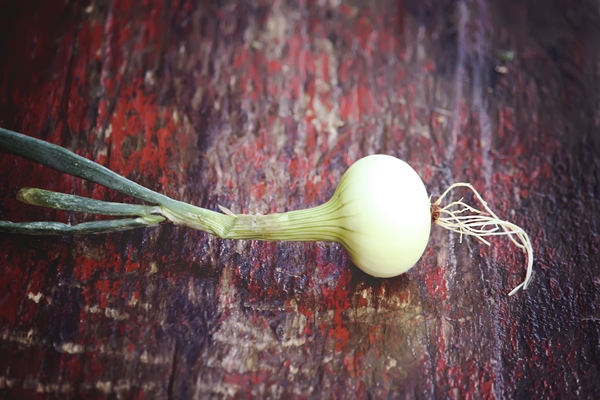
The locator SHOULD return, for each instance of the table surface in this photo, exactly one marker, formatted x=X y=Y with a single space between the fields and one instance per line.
x=261 y=107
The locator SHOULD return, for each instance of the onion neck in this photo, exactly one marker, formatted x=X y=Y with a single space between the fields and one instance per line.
x=320 y=224
x=317 y=224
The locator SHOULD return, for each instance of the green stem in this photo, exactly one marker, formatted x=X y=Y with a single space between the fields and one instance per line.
x=85 y=228
x=323 y=223
x=66 y=161
x=200 y=219
x=63 y=160
x=318 y=224
x=69 y=202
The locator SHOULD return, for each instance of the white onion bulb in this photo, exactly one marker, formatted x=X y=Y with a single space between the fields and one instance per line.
x=385 y=215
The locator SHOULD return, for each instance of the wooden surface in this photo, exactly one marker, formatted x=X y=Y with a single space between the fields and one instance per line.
x=261 y=107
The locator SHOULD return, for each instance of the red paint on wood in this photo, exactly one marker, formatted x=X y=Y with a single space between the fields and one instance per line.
x=190 y=100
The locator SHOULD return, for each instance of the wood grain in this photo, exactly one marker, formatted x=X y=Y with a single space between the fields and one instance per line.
x=260 y=107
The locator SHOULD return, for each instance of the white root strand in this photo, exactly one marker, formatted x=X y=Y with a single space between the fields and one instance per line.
x=480 y=224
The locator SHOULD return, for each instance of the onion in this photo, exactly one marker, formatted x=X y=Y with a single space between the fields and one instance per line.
x=380 y=212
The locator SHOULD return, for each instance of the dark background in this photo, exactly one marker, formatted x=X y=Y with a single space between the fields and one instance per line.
x=260 y=106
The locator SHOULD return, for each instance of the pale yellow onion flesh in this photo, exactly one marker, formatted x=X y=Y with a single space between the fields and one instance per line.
x=386 y=212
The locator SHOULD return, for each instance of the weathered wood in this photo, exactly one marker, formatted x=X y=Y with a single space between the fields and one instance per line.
x=261 y=107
